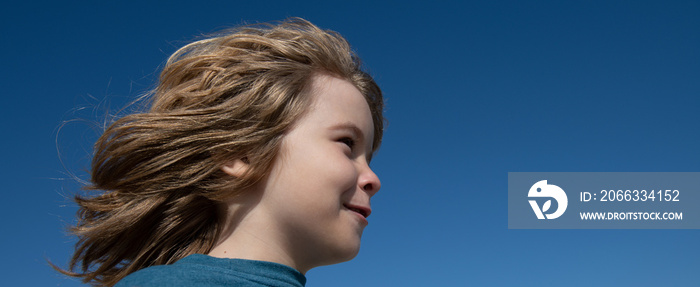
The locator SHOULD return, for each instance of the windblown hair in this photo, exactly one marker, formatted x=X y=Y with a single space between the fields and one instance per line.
x=156 y=188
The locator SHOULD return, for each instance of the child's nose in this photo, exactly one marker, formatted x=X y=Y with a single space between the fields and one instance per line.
x=369 y=181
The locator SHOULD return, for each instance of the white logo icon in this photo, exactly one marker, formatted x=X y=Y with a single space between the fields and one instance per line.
x=542 y=189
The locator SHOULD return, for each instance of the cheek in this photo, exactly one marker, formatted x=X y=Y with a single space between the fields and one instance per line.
x=326 y=167
x=342 y=173
x=308 y=176
x=329 y=183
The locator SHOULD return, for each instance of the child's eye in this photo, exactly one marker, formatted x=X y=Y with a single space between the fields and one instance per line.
x=348 y=141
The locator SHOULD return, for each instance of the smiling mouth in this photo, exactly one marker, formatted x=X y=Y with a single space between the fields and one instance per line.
x=362 y=211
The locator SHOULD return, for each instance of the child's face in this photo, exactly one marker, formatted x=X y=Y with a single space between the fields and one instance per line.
x=318 y=192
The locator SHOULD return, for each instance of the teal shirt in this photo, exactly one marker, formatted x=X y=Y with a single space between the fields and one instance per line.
x=204 y=270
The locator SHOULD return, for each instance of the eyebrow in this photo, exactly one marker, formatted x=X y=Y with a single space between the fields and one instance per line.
x=357 y=133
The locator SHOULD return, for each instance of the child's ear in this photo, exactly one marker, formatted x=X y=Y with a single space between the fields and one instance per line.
x=236 y=167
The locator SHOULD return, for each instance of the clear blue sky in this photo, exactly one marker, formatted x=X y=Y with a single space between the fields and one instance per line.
x=474 y=90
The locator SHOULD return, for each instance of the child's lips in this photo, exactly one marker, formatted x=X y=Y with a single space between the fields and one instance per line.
x=365 y=211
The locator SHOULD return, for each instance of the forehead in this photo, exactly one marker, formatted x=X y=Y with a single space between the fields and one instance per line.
x=338 y=102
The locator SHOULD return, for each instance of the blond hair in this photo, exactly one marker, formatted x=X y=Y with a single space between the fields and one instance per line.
x=157 y=175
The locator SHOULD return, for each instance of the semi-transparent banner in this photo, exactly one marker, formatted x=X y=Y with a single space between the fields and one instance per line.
x=604 y=200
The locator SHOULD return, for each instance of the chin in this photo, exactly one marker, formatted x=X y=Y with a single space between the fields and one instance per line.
x=342 y=254
x=348 y=252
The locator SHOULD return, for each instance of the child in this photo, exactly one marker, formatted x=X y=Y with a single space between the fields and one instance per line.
x=250 y=167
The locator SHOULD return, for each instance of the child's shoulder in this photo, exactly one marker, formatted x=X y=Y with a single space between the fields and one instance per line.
x=203 y=270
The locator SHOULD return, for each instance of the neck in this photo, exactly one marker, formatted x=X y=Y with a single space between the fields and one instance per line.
x=249 y=234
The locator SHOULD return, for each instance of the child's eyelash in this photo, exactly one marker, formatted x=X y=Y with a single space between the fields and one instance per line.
x=348 y=141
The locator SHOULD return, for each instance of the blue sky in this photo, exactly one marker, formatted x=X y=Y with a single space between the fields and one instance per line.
x=473 y=90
